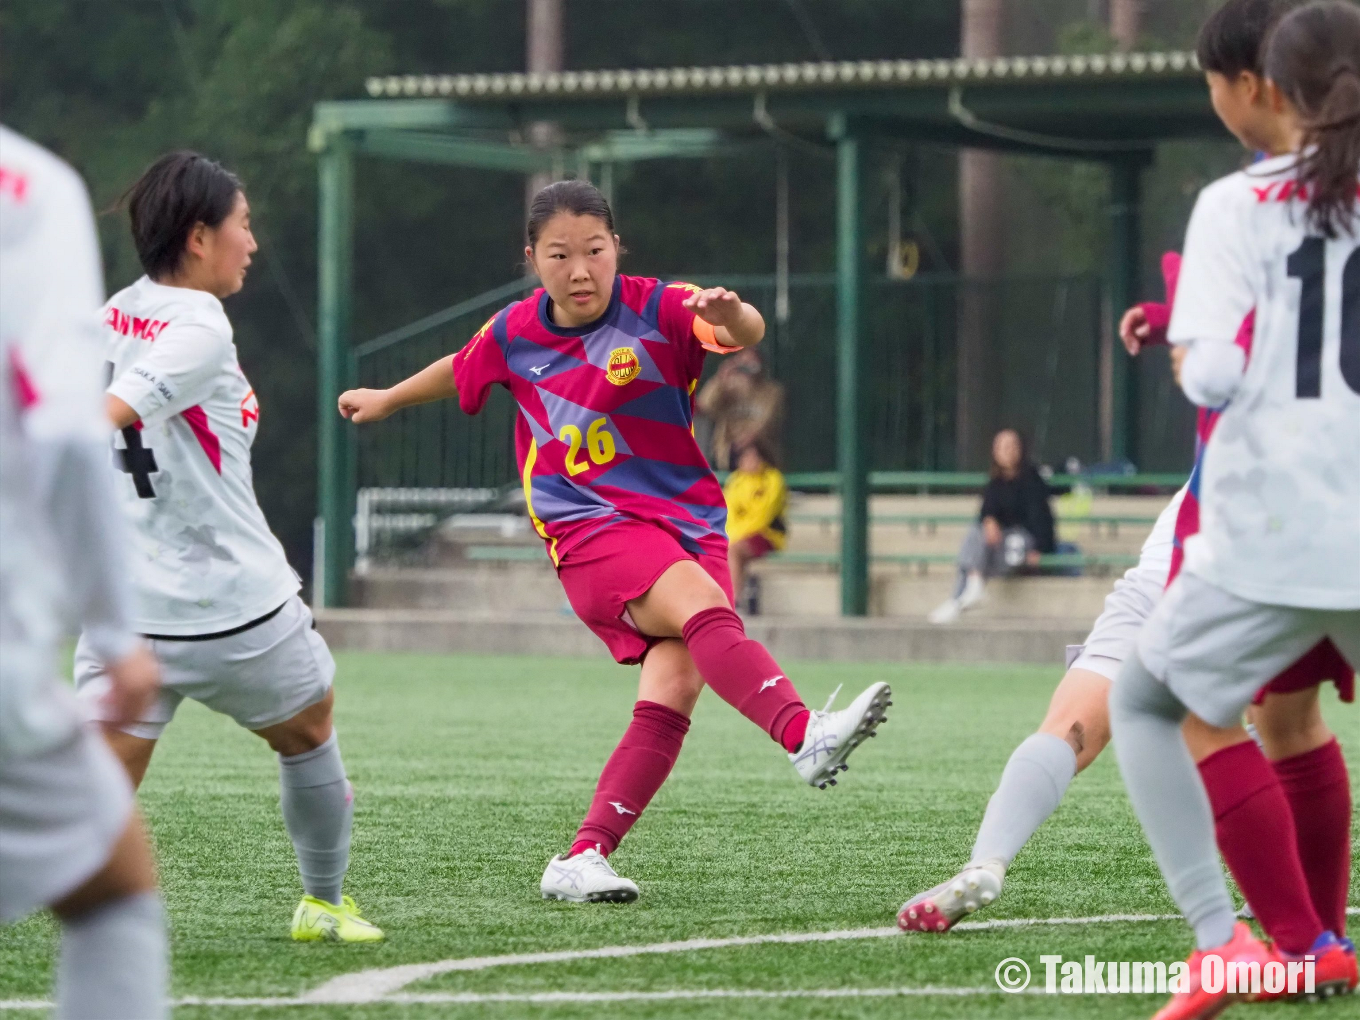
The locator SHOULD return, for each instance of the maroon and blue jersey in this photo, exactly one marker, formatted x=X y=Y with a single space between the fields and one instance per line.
x=605 y=429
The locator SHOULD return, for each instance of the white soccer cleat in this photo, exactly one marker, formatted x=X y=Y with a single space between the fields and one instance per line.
x=585 y=878
x=946 y=612
x=939 y=909
x=974 y=591
x=831 y=736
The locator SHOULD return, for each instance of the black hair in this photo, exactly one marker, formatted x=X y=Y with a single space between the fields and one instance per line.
x=178 y=191
x=1234 y=38
x=1314 y=60
x=580 y=198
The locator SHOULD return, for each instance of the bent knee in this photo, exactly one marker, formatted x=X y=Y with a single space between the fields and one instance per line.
x=304 y=732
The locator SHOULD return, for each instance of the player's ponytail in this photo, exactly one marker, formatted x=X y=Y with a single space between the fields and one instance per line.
x=1314 y=60
x=579 y=198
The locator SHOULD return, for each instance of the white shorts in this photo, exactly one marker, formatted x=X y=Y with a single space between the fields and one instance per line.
x=1129 y=605
x=61 y=812
x=1216 y=650
x=259 y=677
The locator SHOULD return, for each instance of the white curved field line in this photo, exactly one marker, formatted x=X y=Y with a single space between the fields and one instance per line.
x=385 y=984
x=370 y=985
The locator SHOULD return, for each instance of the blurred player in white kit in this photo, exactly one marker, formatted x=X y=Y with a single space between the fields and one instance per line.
x=1276 y=565
x=70 y=836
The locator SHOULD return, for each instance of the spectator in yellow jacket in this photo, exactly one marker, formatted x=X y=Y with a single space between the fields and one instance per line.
x=756 y=497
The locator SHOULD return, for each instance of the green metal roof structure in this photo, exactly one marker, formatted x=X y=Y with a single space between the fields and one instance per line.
x=1113 y=109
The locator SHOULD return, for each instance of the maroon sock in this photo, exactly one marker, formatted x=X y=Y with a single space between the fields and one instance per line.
x=1255 y=830
x=1319 y=793
x=742 y=672
x=631 y=777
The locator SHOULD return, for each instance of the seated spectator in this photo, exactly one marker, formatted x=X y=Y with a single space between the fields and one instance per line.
x=1015 y=527
x=756 y=497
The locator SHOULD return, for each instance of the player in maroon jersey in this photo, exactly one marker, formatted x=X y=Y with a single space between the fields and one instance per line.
x=603 y=368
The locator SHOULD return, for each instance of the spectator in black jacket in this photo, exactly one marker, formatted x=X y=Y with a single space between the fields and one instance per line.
x=1015 y=526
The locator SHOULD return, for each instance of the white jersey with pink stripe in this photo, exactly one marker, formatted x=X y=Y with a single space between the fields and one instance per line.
x=204 y=560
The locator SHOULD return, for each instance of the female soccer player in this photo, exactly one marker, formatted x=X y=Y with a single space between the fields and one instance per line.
x=214 y=592
x=1306 y=770
x=1274 y=569
x=70 y=834
x=603 y=367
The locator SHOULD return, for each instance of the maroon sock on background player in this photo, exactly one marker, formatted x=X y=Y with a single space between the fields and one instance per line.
x=1255 y=831
x=745 y=675
x=1319 y=793
x=631 y=777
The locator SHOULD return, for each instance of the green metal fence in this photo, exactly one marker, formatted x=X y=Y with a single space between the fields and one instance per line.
x=1044 y=345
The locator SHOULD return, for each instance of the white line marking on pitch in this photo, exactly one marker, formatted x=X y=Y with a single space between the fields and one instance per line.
x=383 y=985
x=479 y=998
x=370 y=985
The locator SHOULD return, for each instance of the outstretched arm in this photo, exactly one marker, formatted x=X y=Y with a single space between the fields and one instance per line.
x=434 y=382
x=734 y=322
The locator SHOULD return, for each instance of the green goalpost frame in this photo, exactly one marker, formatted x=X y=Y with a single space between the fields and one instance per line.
x=1106 y=109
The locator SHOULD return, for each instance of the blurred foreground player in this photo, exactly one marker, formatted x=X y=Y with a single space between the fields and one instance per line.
x=70 y=837
x=603 y=368
x=1305 y=782
x=1276 y=566
x=214 y=592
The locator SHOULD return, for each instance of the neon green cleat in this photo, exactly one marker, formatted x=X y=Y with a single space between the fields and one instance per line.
x=315 y=920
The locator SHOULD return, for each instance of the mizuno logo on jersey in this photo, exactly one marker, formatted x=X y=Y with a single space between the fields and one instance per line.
x=141 y=329
x=620 y=808
x=540 y=369
x=769 y=683
x=250 y=409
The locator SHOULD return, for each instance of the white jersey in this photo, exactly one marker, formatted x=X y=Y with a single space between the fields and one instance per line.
x=205 y=560
x=59 y=542
x=1280 y=491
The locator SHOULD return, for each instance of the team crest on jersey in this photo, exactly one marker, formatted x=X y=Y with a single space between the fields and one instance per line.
x=623 y=366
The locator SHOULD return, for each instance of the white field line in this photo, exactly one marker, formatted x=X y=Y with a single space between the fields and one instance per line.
x=385 y=984
x=549 y=998
x=370 y=985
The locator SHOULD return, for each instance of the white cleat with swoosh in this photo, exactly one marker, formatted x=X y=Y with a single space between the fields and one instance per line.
x=831 y=736
x=585 y=878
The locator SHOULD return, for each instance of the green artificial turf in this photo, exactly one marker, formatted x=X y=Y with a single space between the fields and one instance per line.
x=470 y=772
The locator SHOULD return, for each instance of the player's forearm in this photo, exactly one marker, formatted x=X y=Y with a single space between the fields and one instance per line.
x=1212 y=371
x=73 y=485
x=747 y=331
x=434 y=382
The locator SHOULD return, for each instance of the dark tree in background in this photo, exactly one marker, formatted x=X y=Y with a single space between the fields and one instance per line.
x=111 y=84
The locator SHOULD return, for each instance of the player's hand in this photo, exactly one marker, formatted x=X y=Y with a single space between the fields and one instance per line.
x=1134 y=329
x=717 y=306
x=133 y=682
x=361 y=406
x=1177 y=360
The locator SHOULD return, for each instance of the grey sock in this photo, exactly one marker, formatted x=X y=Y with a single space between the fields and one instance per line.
x=1169 y=799
x=1031 y=787
x=113 y=963
x=318 y=810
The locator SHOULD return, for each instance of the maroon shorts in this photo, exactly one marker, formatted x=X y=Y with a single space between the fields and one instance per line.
x=1322 y=663
x=615 y=566
x=756 y=546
